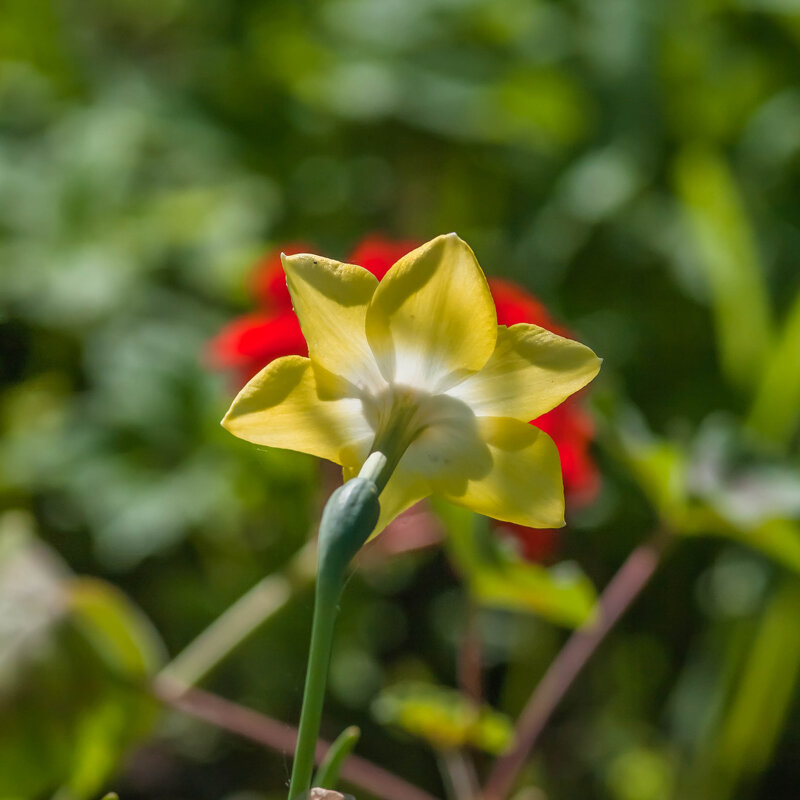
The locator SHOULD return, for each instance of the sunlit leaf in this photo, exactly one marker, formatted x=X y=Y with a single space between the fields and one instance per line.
x=641 y=773
x=660 y=468
x=443 y=717
x=743 y=712
x=497 y=577
x=708 y=493
x=777 y=538
x=728 y=255
x=766 y=686
x=776 y=410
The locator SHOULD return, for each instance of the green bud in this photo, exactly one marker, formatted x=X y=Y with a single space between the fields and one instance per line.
x=349 y=518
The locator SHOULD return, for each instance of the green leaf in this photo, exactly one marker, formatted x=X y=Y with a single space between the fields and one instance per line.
x=777 y=538
x=443 y=717
x=728 y=256
x=74 y=658
x=328 y=773
x=499 y=578
x=776 y=410
x=742 y=718
x=120 y=634
x=561 y=594
x=754 y=504
x=766 y=686
x=641 y=773
x=659 y=466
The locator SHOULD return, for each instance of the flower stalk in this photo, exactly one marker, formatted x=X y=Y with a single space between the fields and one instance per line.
x=347 y=521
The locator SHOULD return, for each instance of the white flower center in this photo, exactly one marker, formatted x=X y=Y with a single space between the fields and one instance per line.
x=437 y=434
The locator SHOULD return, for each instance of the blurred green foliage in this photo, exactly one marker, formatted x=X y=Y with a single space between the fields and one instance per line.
x=444 y=717
x=499 y=578
x=636 y=165
x=74 y=657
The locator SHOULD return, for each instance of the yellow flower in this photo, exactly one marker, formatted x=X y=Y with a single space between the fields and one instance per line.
x=417 y=368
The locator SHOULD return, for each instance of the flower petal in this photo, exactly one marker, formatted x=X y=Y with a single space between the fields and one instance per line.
x=524 y=484
x=432 y=322
x=331 y=299
x=282 y=407
x=447 y=454
x=531 y=371
x=449 y=451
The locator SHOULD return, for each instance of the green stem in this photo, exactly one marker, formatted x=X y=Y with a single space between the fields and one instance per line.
x=266 y=731
x=348 y=519
x=325 y=607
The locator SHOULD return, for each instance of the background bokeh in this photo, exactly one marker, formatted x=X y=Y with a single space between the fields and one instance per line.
x=635 y=165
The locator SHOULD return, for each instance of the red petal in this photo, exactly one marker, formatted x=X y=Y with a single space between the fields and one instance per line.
x=249 y=343
x=536 y=544
x=514 y=304
x=571 y=429
x=378 y=254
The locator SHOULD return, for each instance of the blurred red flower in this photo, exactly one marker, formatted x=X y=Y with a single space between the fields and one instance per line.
x=253 y=340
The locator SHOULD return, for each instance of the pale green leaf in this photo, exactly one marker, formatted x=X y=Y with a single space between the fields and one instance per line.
x=728 y=255
x=328 y=773
x=497 y=577
x=707 y=493
x=776 y=410
x=443 y=717
x=779 y=539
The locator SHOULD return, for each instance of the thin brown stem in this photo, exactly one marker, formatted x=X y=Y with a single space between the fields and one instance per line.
x=470 y=658
x=459 y=774
x=622 y=590
x=282 y=737
x=241 y=620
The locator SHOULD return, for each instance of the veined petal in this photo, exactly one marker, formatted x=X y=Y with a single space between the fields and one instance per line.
x=524 y=484
x=331 y=299
x=530 y=372
x=446 y=455
x=400 y=493
x=449 y=449
x=431 y=321
x=281 y=407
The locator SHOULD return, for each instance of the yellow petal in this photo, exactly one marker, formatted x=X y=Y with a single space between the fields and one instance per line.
x=449 y=450
x=432 y=321
x=400 y=493
x=530 y=372
x=281 y=407
x=447 y=453
x=331 y=299
x=524 y=484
